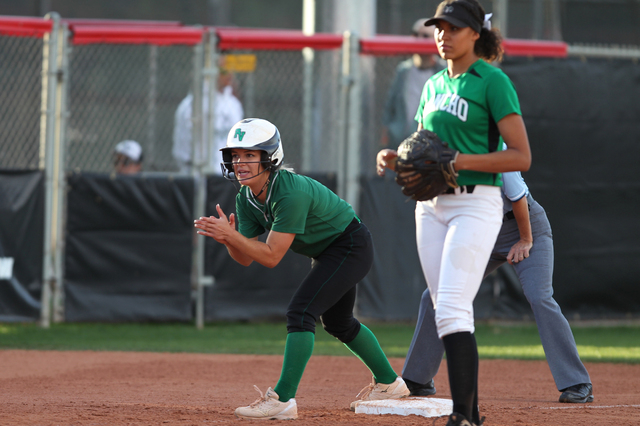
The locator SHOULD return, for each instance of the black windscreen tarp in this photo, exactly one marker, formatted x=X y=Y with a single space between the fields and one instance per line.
x=21 y=244
x=128 y=248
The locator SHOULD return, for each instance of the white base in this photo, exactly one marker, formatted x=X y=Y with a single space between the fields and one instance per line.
x=426 y=407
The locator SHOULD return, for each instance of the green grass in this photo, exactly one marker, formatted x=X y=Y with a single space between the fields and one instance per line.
x=606 y=344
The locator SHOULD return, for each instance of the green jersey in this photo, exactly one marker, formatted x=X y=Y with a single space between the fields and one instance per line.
x=464 y=112
x=295 y=204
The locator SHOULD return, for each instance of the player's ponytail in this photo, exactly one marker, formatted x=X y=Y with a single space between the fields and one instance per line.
x=489 y=44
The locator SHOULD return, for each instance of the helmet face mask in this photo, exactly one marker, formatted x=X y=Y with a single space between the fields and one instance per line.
x=245 y=164
x=253 y=134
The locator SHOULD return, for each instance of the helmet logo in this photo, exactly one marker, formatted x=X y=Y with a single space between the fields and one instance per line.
x=239 y=134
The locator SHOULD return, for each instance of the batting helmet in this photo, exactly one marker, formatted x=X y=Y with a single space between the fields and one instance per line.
x=254 y=134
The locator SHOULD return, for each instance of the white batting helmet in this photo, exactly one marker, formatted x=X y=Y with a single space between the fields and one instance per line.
x=254 y=134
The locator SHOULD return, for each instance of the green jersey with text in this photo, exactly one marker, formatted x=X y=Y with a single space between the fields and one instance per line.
x=295 y=204
x=464 y=112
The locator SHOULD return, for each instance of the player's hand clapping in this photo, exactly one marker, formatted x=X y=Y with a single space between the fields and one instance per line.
x=218 y=228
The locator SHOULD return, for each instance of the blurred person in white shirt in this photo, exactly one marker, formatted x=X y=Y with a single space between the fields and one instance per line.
x=228 y=111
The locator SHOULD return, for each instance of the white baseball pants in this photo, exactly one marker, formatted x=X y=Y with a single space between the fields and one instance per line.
x=455 y=234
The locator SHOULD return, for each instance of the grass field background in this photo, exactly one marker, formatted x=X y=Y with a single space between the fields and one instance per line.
x=603 y=344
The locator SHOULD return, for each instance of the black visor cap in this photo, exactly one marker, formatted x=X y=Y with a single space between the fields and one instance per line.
x=455 y=14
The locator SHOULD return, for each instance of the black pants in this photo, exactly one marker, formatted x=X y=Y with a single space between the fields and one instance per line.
x=328 y=292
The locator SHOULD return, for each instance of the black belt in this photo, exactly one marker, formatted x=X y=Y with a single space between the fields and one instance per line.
x=468 y=189
x=509 y=215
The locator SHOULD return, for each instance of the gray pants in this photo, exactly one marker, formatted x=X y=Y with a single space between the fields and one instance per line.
x=535 y=274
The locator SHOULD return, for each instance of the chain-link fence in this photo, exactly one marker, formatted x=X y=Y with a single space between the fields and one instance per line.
x=382 y=60
x=125 y=92
x=125 y=83
x=375 y=136
x=20 y=101
x=130 y=88
x=273 y=92
x=295 y=91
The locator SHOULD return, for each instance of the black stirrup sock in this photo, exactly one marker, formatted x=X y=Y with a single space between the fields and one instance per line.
x=462 y=365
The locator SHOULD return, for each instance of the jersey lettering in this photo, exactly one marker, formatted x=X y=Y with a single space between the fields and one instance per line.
x=451 y=103
x=443 y=102
x=239 y=134
x=463 y=110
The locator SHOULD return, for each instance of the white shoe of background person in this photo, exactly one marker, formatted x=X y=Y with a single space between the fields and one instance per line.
x=268 y=407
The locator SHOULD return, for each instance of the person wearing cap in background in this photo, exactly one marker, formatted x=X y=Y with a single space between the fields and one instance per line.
x=404 y=93
x=127 y=158
x=228 y=111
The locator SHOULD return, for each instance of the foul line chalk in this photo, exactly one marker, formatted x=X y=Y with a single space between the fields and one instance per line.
x=587 y=407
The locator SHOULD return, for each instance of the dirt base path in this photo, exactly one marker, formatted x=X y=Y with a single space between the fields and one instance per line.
x=122 y=388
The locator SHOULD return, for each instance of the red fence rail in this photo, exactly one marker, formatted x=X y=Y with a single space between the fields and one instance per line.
x=87 y=31
x=162 y=36
x=24 y=26
x=264 y=39
x=552 y=49
x=391 y=44
x=120 y=22
x=396 y=45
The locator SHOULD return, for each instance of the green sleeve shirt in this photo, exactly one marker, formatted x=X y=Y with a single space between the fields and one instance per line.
x=295 y=204
x=464 y=112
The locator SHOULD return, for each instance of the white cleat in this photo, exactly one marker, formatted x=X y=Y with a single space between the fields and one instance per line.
x=377 y=391
x=268 y=407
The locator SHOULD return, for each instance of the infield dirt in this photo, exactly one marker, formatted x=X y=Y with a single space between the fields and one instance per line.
x=127 y=388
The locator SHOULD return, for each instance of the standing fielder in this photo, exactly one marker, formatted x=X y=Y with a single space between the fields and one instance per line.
x=472 y=106
x=525 y=222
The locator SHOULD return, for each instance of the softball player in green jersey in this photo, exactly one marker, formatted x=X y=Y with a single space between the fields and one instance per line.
x=302 y=215
x=473 y=106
